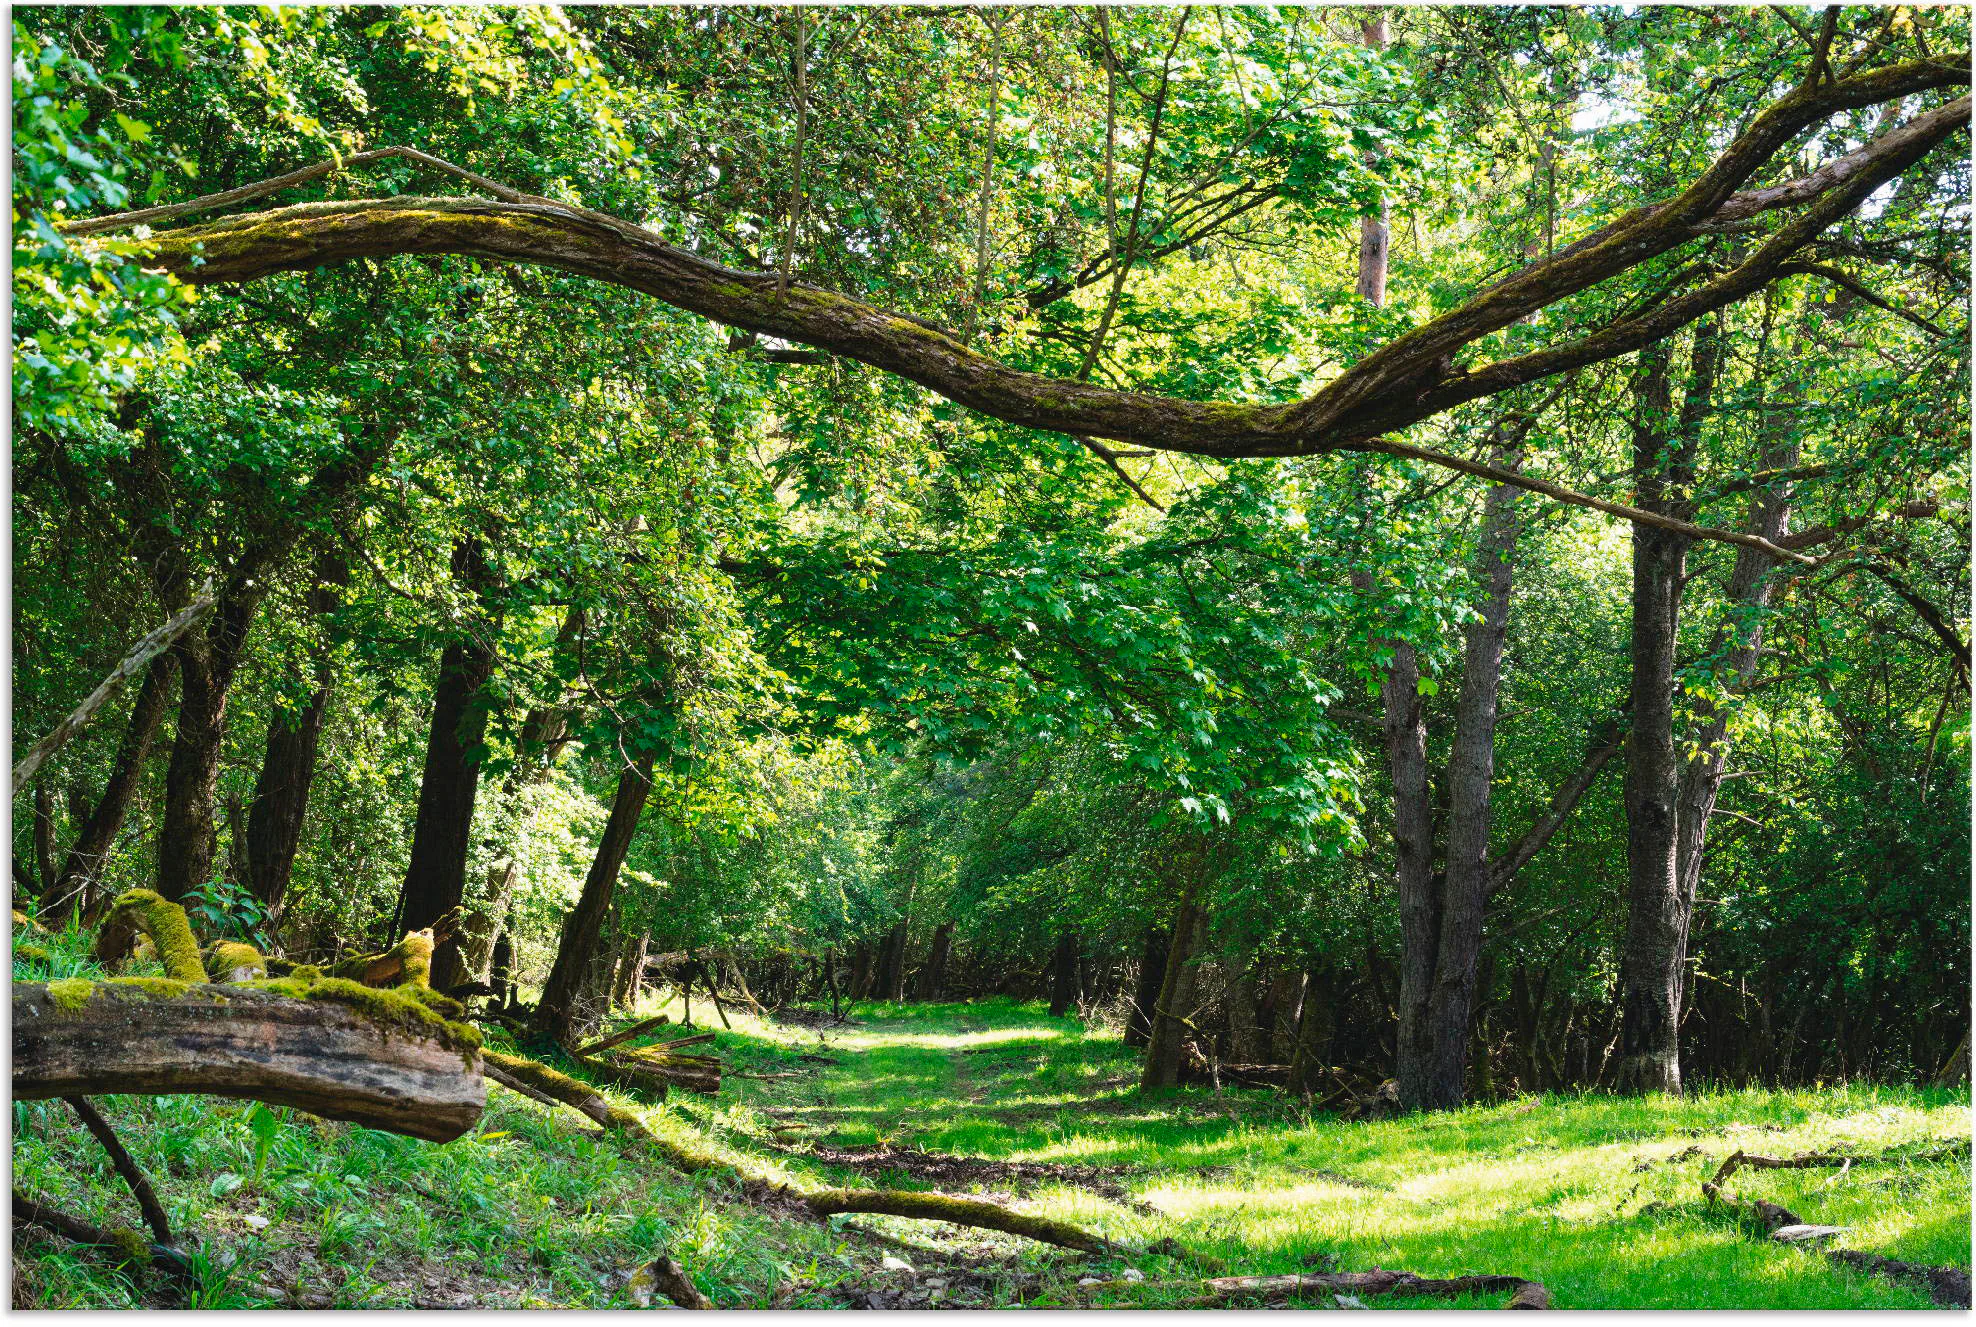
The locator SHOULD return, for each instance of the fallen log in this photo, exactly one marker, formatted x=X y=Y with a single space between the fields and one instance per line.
x=333 y=1048
x=1947 y=1286
x=619 y=1038
x=975 y=1212
x=518 y=1073
x=409 y=962
x=130 y=1243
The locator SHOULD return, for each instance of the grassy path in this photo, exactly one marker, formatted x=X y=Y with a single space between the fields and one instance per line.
x=1597 y=1197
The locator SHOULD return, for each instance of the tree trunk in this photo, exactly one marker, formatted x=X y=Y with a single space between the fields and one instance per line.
x=44 y=838
x=1419 y=888
x=79 y=885
x=1152 y=976
x=281 y=793
x=933 y=977
x=545 y=731
x=1656 y=923
x=501 y=971
x=1063 y=975
x=1310 y=1060
x=892 y=964
x=435 y=875
x=207 y=662
x=1437 y=1083
x=553 y=1013
x=1167 y=1038
x=631 y=978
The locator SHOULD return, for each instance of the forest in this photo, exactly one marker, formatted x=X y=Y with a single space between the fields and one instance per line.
x=942 y=656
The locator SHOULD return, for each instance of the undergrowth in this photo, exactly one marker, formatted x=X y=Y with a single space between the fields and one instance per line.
x=1597 y=1197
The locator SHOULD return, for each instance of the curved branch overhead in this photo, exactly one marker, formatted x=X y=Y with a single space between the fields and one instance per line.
x=1412 y=378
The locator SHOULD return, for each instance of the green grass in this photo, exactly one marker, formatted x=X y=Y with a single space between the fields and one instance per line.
x=531 y=1211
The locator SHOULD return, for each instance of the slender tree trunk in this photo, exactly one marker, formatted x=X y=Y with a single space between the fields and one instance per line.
x=1651 y=966
x=44 y=839
x=1316 y=1020
x=1146 y=993
x=1437 y=1084
x=79 y=884
x=281 y=793
x=1419 y=888
x=501 y=972
x=1375 y=231
x=1167 y=1038
x=555 y=1011
x=545 y=731
x=1063 y=975
x=435 y=875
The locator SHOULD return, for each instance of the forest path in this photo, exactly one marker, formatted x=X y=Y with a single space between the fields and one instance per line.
x=1597 y=1197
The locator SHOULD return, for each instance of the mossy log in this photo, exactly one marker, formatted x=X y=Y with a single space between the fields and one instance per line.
x=407 y=963
x=146 y=912
x=510 y=1070
x=974 y=1212
x=339 y=1050
x=230 y=961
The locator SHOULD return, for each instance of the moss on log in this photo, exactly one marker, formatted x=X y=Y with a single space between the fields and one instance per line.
x=151 y=914
x=334 y=1049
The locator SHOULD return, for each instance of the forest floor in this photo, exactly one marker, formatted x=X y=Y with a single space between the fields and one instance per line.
x=1599 y=1198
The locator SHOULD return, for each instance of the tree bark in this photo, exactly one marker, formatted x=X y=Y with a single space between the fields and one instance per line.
x=1436 y=1082
x=933 y=977
x=1166 y=1037
x=1146 y=993
x=892 y=963
x=1651 y=965
x=207 y=663
x=555 y=1010
x=79 y=884
x=339 y=1060
x=545 y=731
x=288 y=767
x=435 y=875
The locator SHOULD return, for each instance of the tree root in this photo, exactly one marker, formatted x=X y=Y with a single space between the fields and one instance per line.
x=149 y=912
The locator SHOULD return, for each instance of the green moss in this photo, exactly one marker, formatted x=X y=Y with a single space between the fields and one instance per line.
x=32 y=954
x=404 y=1007
x=230 y=956
x=71 y=993
x=170 y=932
x=306 y=972
x=162 y=988
x=131 y=1244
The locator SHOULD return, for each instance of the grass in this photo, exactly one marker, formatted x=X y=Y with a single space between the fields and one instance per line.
x=1597 y=1197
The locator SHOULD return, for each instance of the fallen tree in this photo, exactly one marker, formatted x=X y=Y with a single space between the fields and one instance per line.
x=1230 y=1291
x=329 y=1047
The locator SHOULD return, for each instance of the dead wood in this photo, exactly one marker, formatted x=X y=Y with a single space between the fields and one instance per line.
x=133 y=1175
x=618 y=1038
x=128 y=1242
x=339 y=1051
x=133 y=663
x=1223 y=1291
x=665 y=1277
x=514 y=1071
